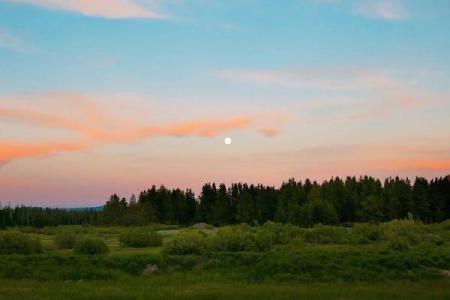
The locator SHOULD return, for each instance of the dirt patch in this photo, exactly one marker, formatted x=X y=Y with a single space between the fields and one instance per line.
x=149 y=269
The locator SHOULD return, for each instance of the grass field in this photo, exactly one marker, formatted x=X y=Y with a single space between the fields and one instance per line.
x=184 y=286
x=395 y=260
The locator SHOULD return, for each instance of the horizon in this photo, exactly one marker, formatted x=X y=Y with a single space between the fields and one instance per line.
x=197 y=194
x=102 y=98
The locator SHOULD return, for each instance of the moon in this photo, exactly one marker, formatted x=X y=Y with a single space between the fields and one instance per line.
x=227 y=141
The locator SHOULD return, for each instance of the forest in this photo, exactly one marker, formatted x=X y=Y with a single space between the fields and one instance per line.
x=339 y=239
x=305 y=203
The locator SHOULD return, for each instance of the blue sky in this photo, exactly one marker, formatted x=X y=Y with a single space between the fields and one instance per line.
x=306 y=88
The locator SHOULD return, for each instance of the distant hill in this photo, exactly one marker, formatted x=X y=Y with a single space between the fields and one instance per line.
x=92 y=208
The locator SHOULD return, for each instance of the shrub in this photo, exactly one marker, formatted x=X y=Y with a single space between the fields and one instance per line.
x=245 y=238
x=90 y=246
x=399 y=243
x=402 y=231
x=434 y=239
x=12 y=242
x=140 y=239
x=281 y=234
x=186 y=243
x=365 y=233
x=445 y=225
x=65 y=241
x=321 y=234
x=233 y=238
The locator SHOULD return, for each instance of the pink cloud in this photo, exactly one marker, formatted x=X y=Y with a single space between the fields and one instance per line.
x=270 y=132
x=389 y=10
x=111 y=9
x=382 y=92
x=93 y=125
x=386 y=9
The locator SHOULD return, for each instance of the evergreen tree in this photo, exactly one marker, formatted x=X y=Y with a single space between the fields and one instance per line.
x=245 y=208
x=222 y=210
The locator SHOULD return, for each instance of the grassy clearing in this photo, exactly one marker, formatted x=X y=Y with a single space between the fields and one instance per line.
x=183 y=286
x=394 y=260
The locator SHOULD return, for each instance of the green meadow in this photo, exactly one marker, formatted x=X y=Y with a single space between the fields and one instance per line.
x=400 y=259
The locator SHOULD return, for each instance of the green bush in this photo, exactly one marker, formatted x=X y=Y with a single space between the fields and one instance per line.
x=445 y=225
x=406 y=230
x=281 y=233
x=13 y=242
x=243 y=238
x=434 y=239
x=65 y=241
x=140 y=239
x=91 y=246
x=233 y=238
x=399 y=243
x=322 y=234
x=364 y=233
x=186 y=243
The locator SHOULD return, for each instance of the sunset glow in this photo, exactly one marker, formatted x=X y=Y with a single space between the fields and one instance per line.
x=101 y=97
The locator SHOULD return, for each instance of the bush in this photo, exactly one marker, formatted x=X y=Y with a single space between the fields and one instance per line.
x=233 y=238
x=90 y=246
x=434 y=239
x=65 y=241
x=403 y=231
x=12 y=242
x=241 y=238
x=445 y=225
x=279 y=233
x=399 y=243
x=140 y=239
x=365 y=233
x=185 y=244
x=321 y=234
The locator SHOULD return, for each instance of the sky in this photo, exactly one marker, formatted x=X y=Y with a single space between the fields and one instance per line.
x=112 y=96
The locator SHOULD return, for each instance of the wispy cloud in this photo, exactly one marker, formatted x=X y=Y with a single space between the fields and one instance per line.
x=386 y=9
x=111 y=9
x=331 y=78
x=366 y=158
x=92 y=125
x=270 y=132
x=381 y=92
x=10 y=150
x=389 y=10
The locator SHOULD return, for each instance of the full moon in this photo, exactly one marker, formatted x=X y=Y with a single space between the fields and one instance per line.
x=227 y=141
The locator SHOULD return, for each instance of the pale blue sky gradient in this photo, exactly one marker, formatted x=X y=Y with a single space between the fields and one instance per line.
x=306 y=88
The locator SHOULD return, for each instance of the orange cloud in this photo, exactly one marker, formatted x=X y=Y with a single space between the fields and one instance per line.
x=366 y=158
x=112 y=9
x=38 y=118
x=429 y=164
x=10 y=150
x=270 y=132
x=207 y=128
x=93 y=126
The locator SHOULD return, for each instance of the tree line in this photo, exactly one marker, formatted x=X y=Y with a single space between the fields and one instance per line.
x=304 y=203
x=40 y=217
